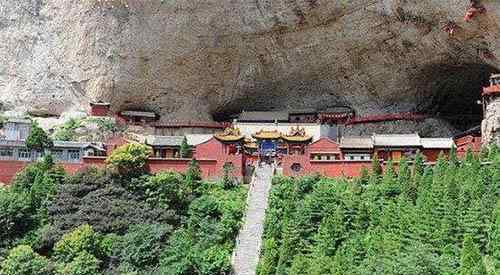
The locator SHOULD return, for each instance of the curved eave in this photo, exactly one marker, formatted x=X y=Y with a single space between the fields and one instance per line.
x=229 y=138
x=267 y=136
x=297 y=139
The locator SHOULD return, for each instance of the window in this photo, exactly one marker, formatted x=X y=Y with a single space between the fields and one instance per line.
x=351 y=157
x=24 y=154
x=362 y=157
x=58 y=154
x=328 y=157
x=296 y=167
x=74 y=155
x=6 y=153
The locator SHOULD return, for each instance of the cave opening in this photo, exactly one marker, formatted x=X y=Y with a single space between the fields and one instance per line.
x=453 y=92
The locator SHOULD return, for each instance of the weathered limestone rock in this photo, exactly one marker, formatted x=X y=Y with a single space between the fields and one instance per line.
x=490 y=126
x=195 y=59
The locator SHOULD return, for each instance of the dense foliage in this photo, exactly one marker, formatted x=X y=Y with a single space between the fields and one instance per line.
x=100 y=221
x=419 y=220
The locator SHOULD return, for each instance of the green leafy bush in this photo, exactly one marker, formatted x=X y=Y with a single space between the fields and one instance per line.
x=83 y=264
x=67 y=132
x=74 y=243
x=130 y=159
x=22 y=260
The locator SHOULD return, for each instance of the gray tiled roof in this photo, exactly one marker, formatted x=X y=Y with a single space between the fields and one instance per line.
x=138 y=114
x=12 y=143
x=437 y=143
x=356 y=142
x=263 y=116
x=74 y=144
x=164 y=140
x=397 y=140
x=195 y=139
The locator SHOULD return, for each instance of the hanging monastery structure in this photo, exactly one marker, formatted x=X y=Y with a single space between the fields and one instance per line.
x=299 y=142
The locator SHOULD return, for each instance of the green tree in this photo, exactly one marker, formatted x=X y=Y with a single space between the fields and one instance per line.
x=22 y=260
x=471 y=261
x=74 y=243
x=67 y=131
x=193 y=173
x=38 y=139
x=83 y=264
x=142 y=245
x=185 y=150
x=130 y=159
x=228 y=179
x=376 y=167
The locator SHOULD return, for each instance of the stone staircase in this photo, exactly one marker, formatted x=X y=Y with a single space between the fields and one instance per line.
x=249 y=241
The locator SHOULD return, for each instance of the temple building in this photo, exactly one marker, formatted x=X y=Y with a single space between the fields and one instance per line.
x=232 y=139
x=356 y=148
x=490 y=126
x=166 y=147
x=296 y=141
x=138 y=117
x=394 y=147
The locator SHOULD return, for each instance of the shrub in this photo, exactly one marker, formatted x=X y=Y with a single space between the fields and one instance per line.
x=130 y=159
x=83 y=264
x=142 y=244
x=82 y=239
x=16 y=215
x=22 y=260
x=67 y=131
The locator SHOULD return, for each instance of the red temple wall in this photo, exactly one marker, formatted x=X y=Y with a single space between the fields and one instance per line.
x=208 y=167
x=9 y=169
x=99 y=110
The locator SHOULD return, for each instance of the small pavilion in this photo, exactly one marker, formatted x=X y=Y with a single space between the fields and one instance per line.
x=296 y=141
x=232 y=139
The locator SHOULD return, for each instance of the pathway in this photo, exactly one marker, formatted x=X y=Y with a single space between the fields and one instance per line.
x=249 y=241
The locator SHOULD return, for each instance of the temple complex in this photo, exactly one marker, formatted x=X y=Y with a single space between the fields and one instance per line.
x=298 y=142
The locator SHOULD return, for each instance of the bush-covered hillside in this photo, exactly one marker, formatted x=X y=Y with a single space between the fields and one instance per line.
x=105 y=221
x=420 y=220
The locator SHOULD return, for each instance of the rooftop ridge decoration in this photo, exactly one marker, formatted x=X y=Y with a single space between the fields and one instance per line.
x=267 y=134
x=230 y=134
x=297 y=134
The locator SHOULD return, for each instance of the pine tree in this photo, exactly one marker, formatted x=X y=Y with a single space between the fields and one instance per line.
x=418 y=166
x=185 y=150
x=494 y=239
x=376 y=167
x=471 y=261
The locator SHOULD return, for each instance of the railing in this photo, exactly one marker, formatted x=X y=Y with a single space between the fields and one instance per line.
x=192 y=124
x=386 y=117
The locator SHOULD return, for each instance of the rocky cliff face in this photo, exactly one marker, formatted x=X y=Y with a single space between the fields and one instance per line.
x=206 y=59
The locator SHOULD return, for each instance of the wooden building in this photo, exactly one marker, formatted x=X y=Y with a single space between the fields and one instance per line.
x=138 y=117
x=100 y=108
x=356 y=148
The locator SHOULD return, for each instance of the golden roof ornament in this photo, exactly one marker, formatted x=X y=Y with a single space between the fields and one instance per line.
x=267 y=134
x=297 y=134
x=230 y=134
